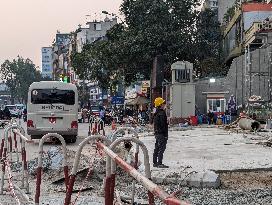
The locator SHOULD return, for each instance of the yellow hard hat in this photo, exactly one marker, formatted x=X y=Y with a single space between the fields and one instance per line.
x=159 y=101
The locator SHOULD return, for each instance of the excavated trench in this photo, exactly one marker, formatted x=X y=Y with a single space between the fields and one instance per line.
x=246 y=179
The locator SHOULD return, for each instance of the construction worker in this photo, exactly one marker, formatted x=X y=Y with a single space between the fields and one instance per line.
x=161 y=132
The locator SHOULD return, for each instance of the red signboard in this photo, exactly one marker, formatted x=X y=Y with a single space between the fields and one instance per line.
x=247 y=7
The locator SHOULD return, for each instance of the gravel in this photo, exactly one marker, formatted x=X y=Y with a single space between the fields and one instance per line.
x=234 y=191
x=222 y=196
x=212 y=196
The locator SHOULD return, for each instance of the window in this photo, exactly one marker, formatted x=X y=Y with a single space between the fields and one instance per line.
x=183 y=76
x=216 y=105
x=97 y=27
x=52 y=96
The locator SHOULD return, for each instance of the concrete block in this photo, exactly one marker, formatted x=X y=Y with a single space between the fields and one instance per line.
x=208 y=179
x=211 y=180
x=195 y=180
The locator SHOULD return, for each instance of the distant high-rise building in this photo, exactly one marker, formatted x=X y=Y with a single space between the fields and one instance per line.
x=47 y=62
x=210 y=4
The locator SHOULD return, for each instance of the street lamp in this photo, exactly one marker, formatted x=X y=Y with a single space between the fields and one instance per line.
x=212 y=80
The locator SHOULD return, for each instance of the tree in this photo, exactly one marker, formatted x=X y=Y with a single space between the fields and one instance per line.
x=18 y=75
x=152 y=27
x=207 y=44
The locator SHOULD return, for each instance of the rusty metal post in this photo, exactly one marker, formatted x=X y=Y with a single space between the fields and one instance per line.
x=9 y=147
x=2 y=148
x=95 y=128
x=76 y=164
x=108 y=182
x=39 y=169
x=16 y=146
x=23 y=140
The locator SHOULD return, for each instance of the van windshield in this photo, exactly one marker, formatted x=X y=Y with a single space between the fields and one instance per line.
x=52 y=96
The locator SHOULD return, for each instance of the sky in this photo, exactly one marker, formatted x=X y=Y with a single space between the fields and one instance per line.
x=28 y=25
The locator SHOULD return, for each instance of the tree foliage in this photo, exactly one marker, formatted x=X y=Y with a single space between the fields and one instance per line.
x=207 y=44
x=151 y=28
x=18 y=75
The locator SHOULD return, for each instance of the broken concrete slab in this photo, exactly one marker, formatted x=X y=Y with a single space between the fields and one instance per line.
x=207 y=179
x=211 y=179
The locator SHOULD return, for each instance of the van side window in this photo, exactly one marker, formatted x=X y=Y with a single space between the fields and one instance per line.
x=52 y=96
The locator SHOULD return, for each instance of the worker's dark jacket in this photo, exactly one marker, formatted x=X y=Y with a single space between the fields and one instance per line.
x=160 y=123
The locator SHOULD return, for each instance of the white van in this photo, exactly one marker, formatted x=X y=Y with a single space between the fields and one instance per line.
x=52 y=107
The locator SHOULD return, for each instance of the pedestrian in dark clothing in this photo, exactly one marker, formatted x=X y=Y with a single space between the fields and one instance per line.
x=1 y=114
x=210 y=117
x=7 y=114
x=161 y=133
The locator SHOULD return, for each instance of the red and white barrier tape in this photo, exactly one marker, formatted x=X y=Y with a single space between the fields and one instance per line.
x=11 y=187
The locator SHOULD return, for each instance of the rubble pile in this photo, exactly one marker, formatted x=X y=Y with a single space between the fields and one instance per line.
x=255 y=98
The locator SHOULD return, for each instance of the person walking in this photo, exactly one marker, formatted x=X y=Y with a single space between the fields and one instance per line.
x=161 y=133
x=7 y=114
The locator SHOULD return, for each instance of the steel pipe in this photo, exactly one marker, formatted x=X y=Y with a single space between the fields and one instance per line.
x=147 y=183
x=249 y=124
x=39 y=169
x=112 y=175
x=76 y=164
x=146 y=161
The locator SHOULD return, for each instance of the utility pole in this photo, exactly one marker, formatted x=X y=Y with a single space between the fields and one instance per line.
x=250 y=71
x=269 y=75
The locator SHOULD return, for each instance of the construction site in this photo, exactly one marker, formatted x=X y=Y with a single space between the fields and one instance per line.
x=209 y=164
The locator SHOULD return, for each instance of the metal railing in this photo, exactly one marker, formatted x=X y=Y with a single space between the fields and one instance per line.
x=6 y=152
x=136 y=161
x=40 y=157
x=153 y=189
x=112 y=160
x=76 y=164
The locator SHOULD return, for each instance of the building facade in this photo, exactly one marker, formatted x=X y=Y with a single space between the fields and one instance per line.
x=61 y=55
x=244 y=79
x=98 y=29
x=236 y=32
x=223 y=6
x=211 y=4
x=47 y=62
x=81 y=39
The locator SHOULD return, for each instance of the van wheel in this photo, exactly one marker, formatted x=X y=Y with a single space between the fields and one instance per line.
x=71 y=139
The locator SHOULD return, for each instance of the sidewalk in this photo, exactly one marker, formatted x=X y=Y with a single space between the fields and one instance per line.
x=203 y=149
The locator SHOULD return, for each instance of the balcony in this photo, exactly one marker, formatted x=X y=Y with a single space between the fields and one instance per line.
x=250 y=34
x=233 y=20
